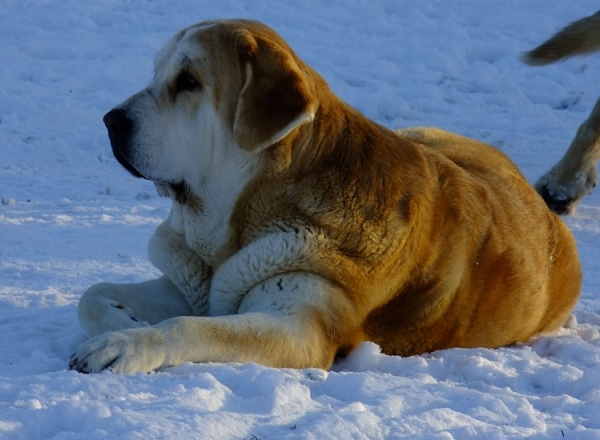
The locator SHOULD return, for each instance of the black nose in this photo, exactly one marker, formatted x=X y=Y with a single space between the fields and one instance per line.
x=119 y=125
x=120 y=128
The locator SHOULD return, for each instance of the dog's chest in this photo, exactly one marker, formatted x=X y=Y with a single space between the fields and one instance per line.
x=206 y=220
x=207 y=234
x=206 y=230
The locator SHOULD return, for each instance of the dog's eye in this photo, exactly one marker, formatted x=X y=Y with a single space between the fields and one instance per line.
x=186 y=82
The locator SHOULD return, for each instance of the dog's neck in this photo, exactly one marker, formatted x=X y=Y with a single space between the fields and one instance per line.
x=340 y=137
x=202 y=213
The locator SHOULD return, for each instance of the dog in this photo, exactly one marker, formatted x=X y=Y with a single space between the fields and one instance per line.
x=299 y=228
x=575 y=175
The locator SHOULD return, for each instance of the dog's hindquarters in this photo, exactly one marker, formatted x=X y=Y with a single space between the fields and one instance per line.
x=512 y=285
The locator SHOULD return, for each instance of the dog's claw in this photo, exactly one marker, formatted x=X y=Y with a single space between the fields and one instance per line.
x=110 y=364
x=83 y=368
x=73 y=363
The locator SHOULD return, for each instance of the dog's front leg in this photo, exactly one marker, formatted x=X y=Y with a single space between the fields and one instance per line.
x=183 y=290
x=292 y=320
x=107 y=307
x=169 y=252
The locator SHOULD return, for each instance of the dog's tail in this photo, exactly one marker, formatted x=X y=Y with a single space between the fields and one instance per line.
x=579 y=38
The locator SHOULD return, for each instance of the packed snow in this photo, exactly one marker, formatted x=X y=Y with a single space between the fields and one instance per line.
x=71 y=216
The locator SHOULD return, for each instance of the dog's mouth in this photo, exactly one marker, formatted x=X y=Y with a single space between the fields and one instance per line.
x=125 y=163
x=121 y=127
x=180 y=192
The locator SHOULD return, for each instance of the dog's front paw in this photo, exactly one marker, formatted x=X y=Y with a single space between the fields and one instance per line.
x=123 y=351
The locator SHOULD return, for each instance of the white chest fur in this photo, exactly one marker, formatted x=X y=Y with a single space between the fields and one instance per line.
x=206 y=222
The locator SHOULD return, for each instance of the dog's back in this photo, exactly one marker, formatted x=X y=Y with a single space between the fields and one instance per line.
x=579 y=38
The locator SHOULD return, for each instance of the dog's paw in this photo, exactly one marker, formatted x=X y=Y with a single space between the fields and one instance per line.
x=124 y=351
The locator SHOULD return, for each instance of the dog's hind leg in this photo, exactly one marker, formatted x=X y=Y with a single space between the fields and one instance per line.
x=575 y=175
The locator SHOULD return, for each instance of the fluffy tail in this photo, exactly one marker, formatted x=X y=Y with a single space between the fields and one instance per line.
x=579 y=38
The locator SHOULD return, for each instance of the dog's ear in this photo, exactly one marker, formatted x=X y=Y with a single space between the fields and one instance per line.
x=276 y=96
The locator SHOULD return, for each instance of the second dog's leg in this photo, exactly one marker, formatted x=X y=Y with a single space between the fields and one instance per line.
x=575 y=175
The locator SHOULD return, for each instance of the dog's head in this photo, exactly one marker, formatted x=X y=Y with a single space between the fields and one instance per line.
x=218 y=86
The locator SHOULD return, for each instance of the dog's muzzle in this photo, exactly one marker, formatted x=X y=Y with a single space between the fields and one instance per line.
x=120 y=128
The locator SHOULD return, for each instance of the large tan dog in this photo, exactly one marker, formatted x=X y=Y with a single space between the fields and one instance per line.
x=575 y=175
x=299 y=228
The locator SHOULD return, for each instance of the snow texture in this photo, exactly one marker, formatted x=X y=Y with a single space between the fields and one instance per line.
x=71 y=216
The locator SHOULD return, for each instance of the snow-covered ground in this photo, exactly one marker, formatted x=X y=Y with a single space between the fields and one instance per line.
x=71 y=217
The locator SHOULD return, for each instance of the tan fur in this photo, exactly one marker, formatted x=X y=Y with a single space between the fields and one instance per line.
x=575 y=175
x=417 y=240
x=579 y=38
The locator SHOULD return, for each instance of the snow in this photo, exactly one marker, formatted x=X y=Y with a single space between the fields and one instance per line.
x=71 y=216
